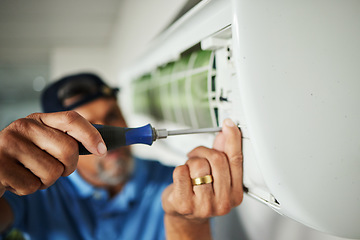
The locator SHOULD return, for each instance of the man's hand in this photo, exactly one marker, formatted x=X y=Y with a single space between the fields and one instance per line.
x=35 y=151
x=187 y=207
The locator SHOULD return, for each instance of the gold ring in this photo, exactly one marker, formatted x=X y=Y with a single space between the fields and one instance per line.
x=202 y=180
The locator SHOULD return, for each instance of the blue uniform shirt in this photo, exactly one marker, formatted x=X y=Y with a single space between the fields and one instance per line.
x=74 y=209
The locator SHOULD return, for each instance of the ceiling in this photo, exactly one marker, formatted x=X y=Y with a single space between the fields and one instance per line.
x=30 y=29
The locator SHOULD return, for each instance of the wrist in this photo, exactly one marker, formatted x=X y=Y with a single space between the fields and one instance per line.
x=183 y=219
x=177 y=225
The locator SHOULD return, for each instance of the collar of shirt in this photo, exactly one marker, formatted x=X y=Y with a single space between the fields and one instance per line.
x=130 y=193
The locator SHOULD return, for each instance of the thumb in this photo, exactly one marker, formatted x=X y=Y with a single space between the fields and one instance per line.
x=232 y=140
x=221 y=139
x=233 y=150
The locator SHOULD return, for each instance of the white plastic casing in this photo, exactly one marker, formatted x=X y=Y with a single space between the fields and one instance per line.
x=298 y=73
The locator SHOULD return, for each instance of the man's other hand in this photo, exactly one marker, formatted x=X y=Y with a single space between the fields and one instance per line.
x=35 y=151
x=192 y=206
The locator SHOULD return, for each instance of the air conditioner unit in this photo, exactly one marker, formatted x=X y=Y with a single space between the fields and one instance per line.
x=287 y=72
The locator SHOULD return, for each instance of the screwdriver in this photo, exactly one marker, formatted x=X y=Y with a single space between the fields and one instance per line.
x=115 y=137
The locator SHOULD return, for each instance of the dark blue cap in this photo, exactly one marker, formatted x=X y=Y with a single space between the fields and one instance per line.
x=79 y=89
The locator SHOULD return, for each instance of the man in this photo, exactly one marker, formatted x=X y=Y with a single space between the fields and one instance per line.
x=110 y=195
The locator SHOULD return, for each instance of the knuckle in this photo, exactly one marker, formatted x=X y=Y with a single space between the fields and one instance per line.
x=199 y=163
x=223 y=208
x=34 y=116
x=68 y=157
x=34 y=186
x=7 y=138
x=198 y=167
x=219 y=157
x=70 y=116
x=205 y=211
x=68 y=151
x=237 y=200
x=53 y=172
x=196 y=151
x=24 y=126
x=185 y=208
x=69 y=169
x=200 y=148
x=180 y=171
x=31 y=187
x=69 y=161
x=21 y=125
x=237 y=160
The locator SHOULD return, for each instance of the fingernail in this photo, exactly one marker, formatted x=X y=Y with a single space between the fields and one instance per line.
x=101 y=148
x=229 y=122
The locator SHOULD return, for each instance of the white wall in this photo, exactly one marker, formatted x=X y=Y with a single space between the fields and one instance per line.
x=137 y=24
x=68 y=60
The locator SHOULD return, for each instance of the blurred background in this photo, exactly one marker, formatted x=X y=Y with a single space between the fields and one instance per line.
x=42 y=40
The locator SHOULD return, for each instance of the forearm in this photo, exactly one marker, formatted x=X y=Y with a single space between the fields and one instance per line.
x=6 y=216
x=177 y=227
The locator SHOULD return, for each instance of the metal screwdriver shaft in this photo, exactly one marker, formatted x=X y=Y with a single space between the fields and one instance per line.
x=193 y=131
x=163 y=133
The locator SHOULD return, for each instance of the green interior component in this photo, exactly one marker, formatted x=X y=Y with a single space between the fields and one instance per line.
x=200 y=101
x=202 y=59
x=166 y=70
x=183 y=103
x=141 y=95
x=181 y=65
x=168 y=101
x=172 y=101
x=164 y=92
x=154 y=95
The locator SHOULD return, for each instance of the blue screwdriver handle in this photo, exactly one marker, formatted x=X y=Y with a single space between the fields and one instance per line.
x=115 y=137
